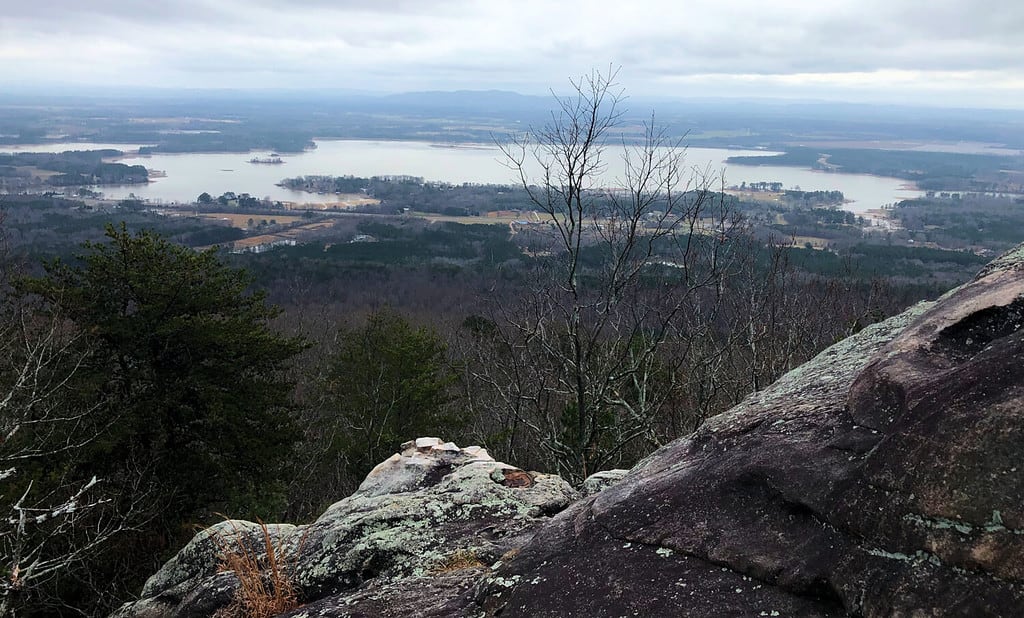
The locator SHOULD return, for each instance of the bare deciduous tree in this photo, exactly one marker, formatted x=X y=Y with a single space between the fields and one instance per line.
x=635 y=268
x=34 y=426
x=48 y=523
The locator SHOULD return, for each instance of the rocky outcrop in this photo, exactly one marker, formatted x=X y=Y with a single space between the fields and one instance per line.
x=434 y=517
x=883 y=478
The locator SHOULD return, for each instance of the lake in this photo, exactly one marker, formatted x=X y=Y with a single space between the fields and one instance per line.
x=188 y=175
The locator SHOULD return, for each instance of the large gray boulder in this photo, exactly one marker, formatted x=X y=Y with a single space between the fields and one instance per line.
x=435 y=514
x=450 y=505
x=883 y=478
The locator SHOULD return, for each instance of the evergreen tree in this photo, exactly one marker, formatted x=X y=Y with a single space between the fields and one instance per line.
x=388 y=382
x=186 y=379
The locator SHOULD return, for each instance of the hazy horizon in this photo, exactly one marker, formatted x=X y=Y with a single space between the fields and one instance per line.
x=42 y=93
x=946 y=53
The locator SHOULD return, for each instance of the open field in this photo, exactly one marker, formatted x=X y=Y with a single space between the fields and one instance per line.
x=296 y=233
x=755 y=196
x=241 y=220
x=339 y=201
x=254 y=241
x=801 y=241
x=36 y=172
x=466 y=220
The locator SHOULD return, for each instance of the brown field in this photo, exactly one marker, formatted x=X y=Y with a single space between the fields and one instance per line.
x=800 y=241
x=963 y=147
x=252 y=241
x=433 y=218
x=241 y=220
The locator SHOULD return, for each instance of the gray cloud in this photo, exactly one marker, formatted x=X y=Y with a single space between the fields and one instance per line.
x=779 y=47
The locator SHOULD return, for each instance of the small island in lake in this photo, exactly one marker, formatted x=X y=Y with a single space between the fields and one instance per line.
x=272 y=159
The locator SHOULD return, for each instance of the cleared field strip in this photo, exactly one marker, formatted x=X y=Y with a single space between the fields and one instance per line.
x=241 y=220
x=339 y=201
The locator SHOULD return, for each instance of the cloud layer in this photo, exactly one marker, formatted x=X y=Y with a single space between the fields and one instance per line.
x=953 y=51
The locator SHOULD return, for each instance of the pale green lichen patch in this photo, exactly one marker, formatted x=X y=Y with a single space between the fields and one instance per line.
x=918 y=557
x=939 y=523
x=995 y=524
x=881 y=553
x=506 y=582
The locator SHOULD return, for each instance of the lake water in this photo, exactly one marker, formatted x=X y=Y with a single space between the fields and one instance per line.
x=188 y=175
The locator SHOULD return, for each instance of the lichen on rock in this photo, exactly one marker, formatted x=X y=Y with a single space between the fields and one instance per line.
x=413 y=517
x=599 y=481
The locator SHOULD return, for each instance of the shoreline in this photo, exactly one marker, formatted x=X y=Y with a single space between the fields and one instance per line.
x=424 y=155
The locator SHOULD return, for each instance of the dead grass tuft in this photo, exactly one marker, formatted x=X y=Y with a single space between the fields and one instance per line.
x=458 y=560
x=264 y=570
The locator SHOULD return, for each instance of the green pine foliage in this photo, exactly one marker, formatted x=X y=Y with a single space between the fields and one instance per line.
x=186 y=380
x=388 y=381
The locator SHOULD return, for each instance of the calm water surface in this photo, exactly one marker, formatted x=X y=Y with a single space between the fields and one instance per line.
x=188 y=175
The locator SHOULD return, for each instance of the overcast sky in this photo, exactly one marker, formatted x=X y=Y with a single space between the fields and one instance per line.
x=946 y=52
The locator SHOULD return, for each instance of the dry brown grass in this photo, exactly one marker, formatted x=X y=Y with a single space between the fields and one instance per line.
x=458 y=560
x=241 y=220
x=264 y=570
